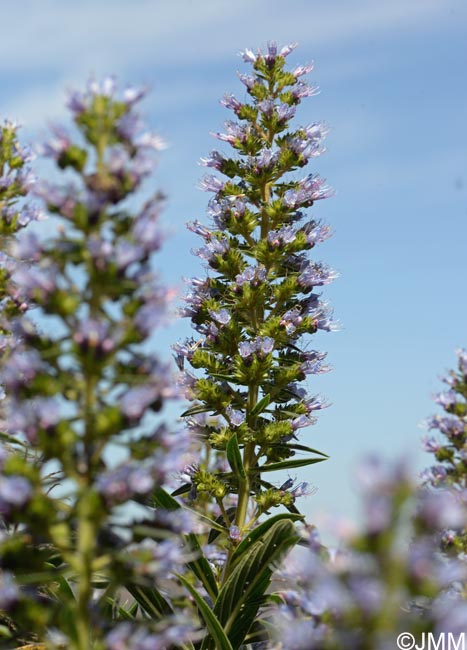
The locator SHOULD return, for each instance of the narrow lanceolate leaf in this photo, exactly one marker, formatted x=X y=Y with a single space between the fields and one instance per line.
x=234 y=457
x=243 y=592
x=309 y=450
x=162 y=499
x=150 y=600
x=194 y=410
x=215 y=629
x=215 y=532
x=258 y=532
x=200 y=566
x=111 y=607
x=261 y=405
x=290 y=464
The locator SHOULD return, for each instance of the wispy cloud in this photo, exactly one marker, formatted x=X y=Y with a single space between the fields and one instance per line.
x=120 y=34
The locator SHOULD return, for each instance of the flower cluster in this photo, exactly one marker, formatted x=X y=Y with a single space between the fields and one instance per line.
x=16 y=184
x=386 y=579
x=85 y=382
x=257 y=304
x=450 y=448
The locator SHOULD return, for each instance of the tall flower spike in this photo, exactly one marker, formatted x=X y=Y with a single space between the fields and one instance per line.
x=84 y=384
x=450 y=447
x=376 y=586
x=256 y=307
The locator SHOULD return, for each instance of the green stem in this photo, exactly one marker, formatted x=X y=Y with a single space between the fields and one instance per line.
x=86 y=550
x=87 y=527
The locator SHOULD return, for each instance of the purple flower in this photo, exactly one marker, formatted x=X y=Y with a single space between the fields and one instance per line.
x=316 y=275
x=247 y=80
x=213 y=248
x=231 y=102
x=302 y=70
x=233 y=133
x=9 y=591
x=302 y=421
x=314 y=367
x=211 y=184
x=287 y=49
x=198 y=228
x=462 y=360
x=234 y=533
x=441 y=509
x=311 y=188
x=248 y=55
x=127 y=253
x=252 y=275
x=236 y=417
x=291 y=320
x=129 y=125
x=316 y=233
x=146 y=226
x=261 y=345
x=21 y=368
x=446 y=399
x=57 y=145
x=222 y=316
x=27 y=247
x=271 y=54
x=286 y=235
x=94 y=334
x=434 y=475
x=106 y=87
x=149 y=140
x=302 y=490
x=136 y=400
x=450 y=426
x=266 y=159
x=215 y=160
x=15 y=492
x=431 y=445
x=301 y=90
x=245 y=349
x=36 y=284
x=129 y=480
x=133 y=94
x=264 y=344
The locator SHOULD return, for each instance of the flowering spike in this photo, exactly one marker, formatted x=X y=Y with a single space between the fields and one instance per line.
x=255 y=308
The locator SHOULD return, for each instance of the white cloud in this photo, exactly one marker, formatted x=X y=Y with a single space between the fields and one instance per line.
x=119 y=35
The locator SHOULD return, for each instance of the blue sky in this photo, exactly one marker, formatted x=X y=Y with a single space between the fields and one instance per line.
x=392 y=78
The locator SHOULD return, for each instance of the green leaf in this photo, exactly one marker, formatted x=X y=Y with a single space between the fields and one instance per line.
x=215 y=628
x=200 y=566
x=214 y=532
x=150 y=600
x=64 y=591
x=162 y=499
x=309 y=450
x=289 y=464
x=4 y=437
x=258 y=532
x=244 y=590
x=261 y=405
x=183 y=489
x=234 y=457
x=217 y=375
x=194 y=410
x=111 y=606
